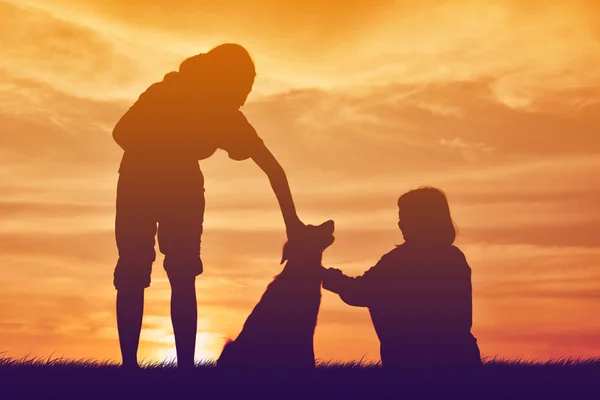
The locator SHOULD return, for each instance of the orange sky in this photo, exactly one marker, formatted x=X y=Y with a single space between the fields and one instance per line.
x=496 y=102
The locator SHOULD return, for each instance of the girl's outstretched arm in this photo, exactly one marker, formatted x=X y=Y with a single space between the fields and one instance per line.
x=353 y=291
x=361 y=290
x=271 y=167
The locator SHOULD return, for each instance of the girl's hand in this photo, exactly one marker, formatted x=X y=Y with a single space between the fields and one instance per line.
x=331 y=279
x=334 y=272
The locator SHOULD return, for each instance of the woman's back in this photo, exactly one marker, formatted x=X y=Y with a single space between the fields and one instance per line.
x=190 y=114
x=165 y=133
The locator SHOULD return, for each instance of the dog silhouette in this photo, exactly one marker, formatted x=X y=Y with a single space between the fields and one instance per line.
x=280 y=329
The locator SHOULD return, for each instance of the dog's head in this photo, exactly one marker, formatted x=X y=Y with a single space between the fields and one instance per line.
x=310 y=243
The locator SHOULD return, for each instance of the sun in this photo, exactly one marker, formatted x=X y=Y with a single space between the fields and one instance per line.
x=208 y=348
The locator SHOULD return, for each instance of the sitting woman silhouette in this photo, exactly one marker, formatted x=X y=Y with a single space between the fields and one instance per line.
x=174 y=123
x=419 y=294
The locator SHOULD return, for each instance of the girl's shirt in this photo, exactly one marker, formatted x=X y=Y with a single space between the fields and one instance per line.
x=172 y=127
x=413 y=294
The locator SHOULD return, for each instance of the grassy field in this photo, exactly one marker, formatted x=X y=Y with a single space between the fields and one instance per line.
x=58 y=378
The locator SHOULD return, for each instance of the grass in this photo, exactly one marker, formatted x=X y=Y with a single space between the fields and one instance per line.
x=58 y=377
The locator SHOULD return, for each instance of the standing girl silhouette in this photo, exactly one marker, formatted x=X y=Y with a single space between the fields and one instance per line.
x=418 y=294
x=174 y=124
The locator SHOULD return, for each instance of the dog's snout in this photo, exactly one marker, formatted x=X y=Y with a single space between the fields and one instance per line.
x=329 y=226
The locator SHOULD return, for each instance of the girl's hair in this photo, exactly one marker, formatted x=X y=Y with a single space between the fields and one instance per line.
x=425 y=217
x=228 y=59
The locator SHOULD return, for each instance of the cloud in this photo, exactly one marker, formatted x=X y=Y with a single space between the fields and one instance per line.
x=331 y=125
x=470 y=151
x=65 y=55
x=42 y=126
x=380 y=42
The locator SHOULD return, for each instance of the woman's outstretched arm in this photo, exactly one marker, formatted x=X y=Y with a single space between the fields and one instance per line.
x=271 y=167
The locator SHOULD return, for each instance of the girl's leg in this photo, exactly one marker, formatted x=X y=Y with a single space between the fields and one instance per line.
x=130 y=310
x=184 y=316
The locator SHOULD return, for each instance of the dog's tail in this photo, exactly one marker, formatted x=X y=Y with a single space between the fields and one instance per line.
x=224 y=353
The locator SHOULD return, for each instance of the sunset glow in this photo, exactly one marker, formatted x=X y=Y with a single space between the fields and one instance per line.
x=496 y=102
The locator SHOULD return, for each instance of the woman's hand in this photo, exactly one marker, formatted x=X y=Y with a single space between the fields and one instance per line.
x=295 y=229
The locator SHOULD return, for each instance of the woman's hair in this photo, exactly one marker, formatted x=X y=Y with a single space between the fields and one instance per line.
x=229 y=60
x=425 y=218
x=225 y=73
